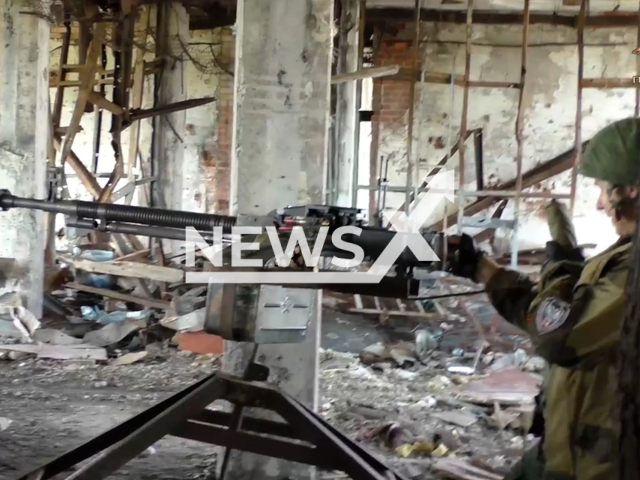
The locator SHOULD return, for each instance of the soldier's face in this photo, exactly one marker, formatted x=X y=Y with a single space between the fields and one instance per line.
x=626 y=222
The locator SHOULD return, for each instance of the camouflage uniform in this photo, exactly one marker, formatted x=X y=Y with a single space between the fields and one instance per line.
x=573 y=316
x=573 y=320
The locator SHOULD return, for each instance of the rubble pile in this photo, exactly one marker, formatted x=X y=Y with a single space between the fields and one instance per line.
x=107 y=309
x=454 y=401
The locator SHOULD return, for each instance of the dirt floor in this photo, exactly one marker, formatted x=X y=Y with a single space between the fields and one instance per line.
x=399 y=414
x=55 y=406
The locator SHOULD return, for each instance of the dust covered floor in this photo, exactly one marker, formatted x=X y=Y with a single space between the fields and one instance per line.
x=398 y=414
x=417 y=407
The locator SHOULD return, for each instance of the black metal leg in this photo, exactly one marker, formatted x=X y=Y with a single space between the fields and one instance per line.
x=119 y=454
x=355 y=447
x=305 y=439
x=66 y=461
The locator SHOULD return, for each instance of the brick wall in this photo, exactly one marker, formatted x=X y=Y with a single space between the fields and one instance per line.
x=390 y=97
x=218 y=165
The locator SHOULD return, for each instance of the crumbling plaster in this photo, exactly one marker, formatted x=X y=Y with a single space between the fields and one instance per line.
x=550 y=110
x=199 y=138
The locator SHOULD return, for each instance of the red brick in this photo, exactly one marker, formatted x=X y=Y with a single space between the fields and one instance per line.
x=200 y=342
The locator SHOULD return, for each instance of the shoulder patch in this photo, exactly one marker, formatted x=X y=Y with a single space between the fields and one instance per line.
x=551 y=314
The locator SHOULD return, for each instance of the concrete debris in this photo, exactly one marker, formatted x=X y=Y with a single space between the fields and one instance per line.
x=511 y=360
x=113 y=333
x=57 y=352
x=426 y=343
x=461 y=470
x=8 y=329
x=5 y=423
x=11 y=308
x=74 y=352
x=55 y=337
x=129 y=358
x=190 y=322
x=460 y=418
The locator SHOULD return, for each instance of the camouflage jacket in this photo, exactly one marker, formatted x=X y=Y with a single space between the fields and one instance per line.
x=573 y=316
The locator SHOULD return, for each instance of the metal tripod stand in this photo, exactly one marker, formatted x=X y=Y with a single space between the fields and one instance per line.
x=304 y=438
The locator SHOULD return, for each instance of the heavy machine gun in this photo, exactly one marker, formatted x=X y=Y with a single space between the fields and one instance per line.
x=257 y=313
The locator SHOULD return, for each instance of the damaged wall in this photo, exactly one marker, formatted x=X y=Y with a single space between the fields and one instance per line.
x=207 y=137
x=550 y=100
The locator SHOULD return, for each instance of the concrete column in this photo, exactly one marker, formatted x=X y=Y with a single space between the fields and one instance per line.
x=282 y=87
x=347 y=116
x=24 y=123
x=176 y=183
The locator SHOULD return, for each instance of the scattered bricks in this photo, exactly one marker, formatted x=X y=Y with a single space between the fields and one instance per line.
x=200 y=343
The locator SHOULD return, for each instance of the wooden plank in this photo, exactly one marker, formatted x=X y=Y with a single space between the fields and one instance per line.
x=465 y=101
x=520 y=116
x=409 y=74
x=171 y=108
x=584 y=6
x=145 y=302
x=85 y=176
x=55 y=83
x=373 y=72
x=64 y=55
x=540 y=173
x=137 y=94
x=122 y=36
x=630 y=82
x=141 y=256
x=127 y=269
x=101 y=102
x=88 y=78
x=357 y=299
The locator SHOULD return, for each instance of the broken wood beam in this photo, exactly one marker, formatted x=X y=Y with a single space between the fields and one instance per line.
x=409 y=74
x=64 y=55
x=465 y=101
x=141 y=256
x=171 y=108
x=54 y=83
x=145 y=302
x=141 y=35
x=85 y=176
x=584 y=7
x=540 y=173
x=127 y=269
x=101 y=102
x=443 y=161
x=385 y=16
x=87 y=80
x=373 y=72
x=630 y=82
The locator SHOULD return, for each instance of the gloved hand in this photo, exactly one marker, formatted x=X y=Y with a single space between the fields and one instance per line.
x=558 y=253
x=463 y=256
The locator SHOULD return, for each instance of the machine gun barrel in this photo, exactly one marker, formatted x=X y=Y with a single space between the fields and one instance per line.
x=171 y=224
x=107 y=212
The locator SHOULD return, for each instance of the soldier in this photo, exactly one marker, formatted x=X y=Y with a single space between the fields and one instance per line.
x=573 y=316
